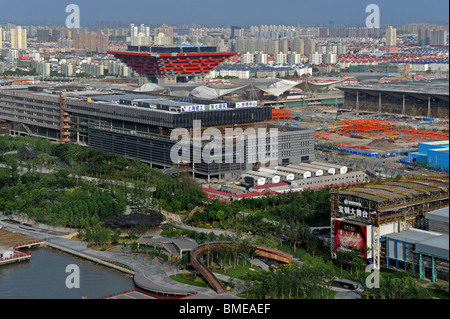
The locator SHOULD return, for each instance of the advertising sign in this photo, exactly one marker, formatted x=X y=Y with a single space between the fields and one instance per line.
x=246 y=104
x=190 y=108
x=220 y=106
x=349 y=209
x=348 y=236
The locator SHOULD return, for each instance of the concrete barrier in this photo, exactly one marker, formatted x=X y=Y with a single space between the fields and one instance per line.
x=91 y=258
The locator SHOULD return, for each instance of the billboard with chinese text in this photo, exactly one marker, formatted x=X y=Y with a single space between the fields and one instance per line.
x=348 y=236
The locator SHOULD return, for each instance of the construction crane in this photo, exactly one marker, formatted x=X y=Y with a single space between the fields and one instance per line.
x=338 y=112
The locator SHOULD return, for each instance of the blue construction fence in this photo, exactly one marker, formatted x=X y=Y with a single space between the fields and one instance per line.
x=349 y=150
x=397 y=154
x=406 y=161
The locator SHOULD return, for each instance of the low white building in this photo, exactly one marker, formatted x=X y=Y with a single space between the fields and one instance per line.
x=6 y=253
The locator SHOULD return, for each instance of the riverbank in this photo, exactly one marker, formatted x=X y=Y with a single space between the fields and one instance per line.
x=148 y=274
x=91 y=258
x=45 y=275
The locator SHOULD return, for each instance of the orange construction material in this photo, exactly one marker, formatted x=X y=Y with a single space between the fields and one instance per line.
x=363 y=127
x=281 y=115
x=322 y=135
x=375 y=127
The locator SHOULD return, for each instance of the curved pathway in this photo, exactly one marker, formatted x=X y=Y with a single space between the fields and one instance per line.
x=147 y=275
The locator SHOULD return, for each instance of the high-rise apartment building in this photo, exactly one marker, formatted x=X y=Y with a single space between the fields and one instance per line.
x=280 y=58
x=90 y=41
x=432 y=36
x=315 y=58
x=310 y=46
x=1 y=38
x=102 y=42
x=67 y=69
x=294 y=58
x=329 y=57
x=43 y=68
x=298 y=45
x=391 y=36
x=140 y=35
x=134 y=30
x=142 y=40
x=438 y=37
x=18 y=38
x=247 y=58
x=261 y=58
x=167 y=31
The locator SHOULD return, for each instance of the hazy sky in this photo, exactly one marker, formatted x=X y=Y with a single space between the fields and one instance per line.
x=225 y=12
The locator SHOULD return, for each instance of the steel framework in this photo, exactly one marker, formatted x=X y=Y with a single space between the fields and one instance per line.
x=377 y=127
x=153 y=64
x=281 y=115
x=198 y=252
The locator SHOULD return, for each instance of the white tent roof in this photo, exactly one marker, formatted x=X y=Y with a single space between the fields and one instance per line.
x=150 y=87
x=278 y=88
x=214 y=93
x=272 y=86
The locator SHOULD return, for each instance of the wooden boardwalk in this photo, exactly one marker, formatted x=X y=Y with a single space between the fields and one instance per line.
x=14 y=241
x=17 y=240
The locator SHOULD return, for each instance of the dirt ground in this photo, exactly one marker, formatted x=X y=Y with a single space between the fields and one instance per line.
x=322 y=118
x=376 y=144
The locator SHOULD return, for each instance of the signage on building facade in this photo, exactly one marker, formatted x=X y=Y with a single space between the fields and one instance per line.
x=246 y=104
x=353 y=211
x=349 y=202
x=190 y=108
x=220 y=106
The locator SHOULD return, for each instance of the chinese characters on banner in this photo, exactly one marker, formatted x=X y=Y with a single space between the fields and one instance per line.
x=246 y=104
x=353 y=211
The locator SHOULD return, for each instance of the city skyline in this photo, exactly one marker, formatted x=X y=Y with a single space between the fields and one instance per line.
x=175 y=12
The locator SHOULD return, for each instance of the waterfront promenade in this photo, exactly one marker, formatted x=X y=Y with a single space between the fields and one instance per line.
x=148 y=274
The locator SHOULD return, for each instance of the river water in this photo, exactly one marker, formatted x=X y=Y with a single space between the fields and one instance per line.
x=44 y=277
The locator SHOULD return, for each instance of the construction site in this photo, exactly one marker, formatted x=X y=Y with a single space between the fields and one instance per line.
x=364 y=133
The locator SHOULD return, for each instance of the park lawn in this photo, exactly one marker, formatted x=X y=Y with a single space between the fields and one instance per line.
x=100 y=247
x=438 y=293
x=301 y=252
x=240 y=271
x=331 y=294
x=188 y=278
x=303 y=255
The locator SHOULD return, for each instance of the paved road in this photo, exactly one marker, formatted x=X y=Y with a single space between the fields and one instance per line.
x=152 y=274
x=342 y=293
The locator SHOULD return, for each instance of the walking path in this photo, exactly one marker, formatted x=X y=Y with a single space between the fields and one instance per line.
x=148 y=274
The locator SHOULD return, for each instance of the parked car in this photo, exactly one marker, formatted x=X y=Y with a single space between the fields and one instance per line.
x=321 y=231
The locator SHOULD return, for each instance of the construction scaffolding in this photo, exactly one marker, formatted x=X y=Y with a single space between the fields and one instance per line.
x=281 y=115
x=393 y=200
x=363 y=128
x=65 y=122
x=397 y=204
